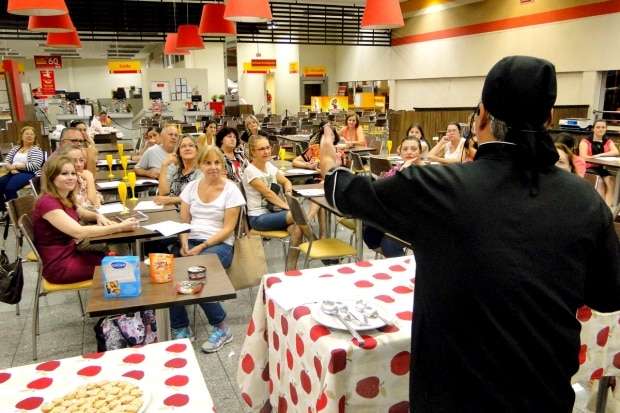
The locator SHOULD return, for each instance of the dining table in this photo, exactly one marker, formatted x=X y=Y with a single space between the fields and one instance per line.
x=112 y=147
x=168 y=374
x=611 y=163
x=292 y=358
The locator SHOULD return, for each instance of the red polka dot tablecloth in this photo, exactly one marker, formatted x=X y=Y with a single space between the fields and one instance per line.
x=168 y=371
x=290 y=363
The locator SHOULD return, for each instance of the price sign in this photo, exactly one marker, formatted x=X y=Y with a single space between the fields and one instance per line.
x=48 y=62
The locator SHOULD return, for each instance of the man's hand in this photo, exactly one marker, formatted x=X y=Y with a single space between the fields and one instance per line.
x=328 y=151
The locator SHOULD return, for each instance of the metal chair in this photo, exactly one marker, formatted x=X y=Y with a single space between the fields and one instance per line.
x=357 y=166
x=35 y=185
x=315 y=248
x=43 y=286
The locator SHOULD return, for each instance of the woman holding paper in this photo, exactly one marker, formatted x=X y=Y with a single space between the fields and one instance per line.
x=211 y=205
x=56 y=225
x=177 y=170
x=86 y=194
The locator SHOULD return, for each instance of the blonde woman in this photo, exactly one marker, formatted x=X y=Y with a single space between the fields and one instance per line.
x=177 y=170
x=252 y=128
x=86 y=194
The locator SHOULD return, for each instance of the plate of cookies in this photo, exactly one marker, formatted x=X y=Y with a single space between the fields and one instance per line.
x=113 y=396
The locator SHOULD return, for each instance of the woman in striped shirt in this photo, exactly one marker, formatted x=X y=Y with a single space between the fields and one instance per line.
x=24 y=161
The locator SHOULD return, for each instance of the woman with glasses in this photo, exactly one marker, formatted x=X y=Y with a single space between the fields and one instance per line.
x=267 y=211
x=90 y=150
x=177 y=170
x=450 y=148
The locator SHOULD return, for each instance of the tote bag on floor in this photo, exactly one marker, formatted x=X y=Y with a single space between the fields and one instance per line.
x=248 y=264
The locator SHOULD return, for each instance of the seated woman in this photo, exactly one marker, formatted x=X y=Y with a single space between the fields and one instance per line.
x=352 y=132
x=569 y=141
x=86 y=194
x=151 y=138
x=177 y=170
x=450 y=148
x=227 y=139
x=24 y=162
x=565 y=161
x=376 y=239
x=258 y=178
x=57 y=230
x=416 y=131
x=211 y=205
x=252 y=128
x=208 y=136
x=309 y=159
x=600 y=144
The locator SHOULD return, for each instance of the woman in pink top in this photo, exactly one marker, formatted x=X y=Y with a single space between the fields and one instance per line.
x=56 y=224
x=353 y=133
x=600 y=144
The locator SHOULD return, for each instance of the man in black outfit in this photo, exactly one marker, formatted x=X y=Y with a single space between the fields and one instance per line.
x=507 y=249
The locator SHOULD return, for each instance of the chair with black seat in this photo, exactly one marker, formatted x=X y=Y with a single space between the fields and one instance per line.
x=315 y=248
x=105 y=138
x=379 y=166
x=44 y=287
x=35 y=185
x=357 y=165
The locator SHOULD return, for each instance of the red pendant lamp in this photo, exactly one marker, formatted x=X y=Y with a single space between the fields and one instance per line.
x=188 y=37
x=382 y=15
x=213 y=23
x=248 y=11
x=171 y=46
x=51 y=24
x=37 y=7
x=64 y=40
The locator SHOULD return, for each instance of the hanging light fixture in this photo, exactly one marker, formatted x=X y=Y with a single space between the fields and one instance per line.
x=37 y=7
x=188 y=37
x=64 y=40
x=213 y=23
x=171 y=46
x=248 y=11
x=51 y=24
x=382 y=15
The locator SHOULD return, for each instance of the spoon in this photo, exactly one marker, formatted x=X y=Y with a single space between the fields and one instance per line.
x=370 y=311
x=330 y=308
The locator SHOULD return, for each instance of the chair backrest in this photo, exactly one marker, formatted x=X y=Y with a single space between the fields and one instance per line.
x=591 y=178
x=299 y=217
x=379 y=165
x=356 y=162
x=375 y=142
x=35 y=185
x=25 y=226
x=20 y=206
x=105 y=138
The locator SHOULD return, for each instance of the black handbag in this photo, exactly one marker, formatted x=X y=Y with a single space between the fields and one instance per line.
x=11 y=279
x=277 y=189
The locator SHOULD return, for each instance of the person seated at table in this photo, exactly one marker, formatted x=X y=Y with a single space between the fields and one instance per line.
x=578 y=162
x=309 y=159
x=151 y=138
x=24 y=162
x=208 y=136
x=602 y=145
x=86 y=194
x=451 y=148
x=57 y=229
x=178 y=170
x=150 y=163
x=416 y=131
x=411 y=154
x=252 y=128
x=227 y=139
x=566 y=158
x=352 y=133
x=100 y=122
x=259 y=181
x=211 y=205
x=90 y=148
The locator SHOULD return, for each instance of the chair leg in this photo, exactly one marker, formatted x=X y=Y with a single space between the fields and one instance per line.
x=35 y=323
x=306 y=261
x=81 y=303
x=194 y=324
x=17 y=309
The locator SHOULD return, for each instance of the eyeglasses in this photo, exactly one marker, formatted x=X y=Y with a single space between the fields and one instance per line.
x=264 y=148
x=78 y=142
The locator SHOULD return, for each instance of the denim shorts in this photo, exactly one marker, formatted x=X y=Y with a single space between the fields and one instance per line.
x=271 y=221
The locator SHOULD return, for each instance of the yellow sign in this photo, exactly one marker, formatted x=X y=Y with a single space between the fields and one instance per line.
x=328 y=103
x=293 y=67
x=315 y=71
x=20 y=67
x=249 y=68
x=124 y=66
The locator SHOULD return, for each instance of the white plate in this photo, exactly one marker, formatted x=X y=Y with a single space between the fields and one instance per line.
x=333 y=322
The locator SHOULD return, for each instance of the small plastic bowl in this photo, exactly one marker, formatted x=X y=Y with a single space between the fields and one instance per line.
x=197 y=272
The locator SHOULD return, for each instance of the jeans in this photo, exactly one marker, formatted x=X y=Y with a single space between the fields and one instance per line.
x=271 y=221
x=214 y=311
x=10 y=184
x=375 y=238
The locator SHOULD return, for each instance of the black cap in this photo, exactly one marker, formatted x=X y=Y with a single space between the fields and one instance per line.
x=520 y=90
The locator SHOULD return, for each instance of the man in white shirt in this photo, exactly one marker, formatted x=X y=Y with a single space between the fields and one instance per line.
x=151 y=160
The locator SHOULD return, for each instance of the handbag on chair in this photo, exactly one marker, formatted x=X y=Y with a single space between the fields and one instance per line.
x=11 y=279
x=248 y=264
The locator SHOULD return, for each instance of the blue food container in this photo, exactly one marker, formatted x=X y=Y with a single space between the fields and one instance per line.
x=121 y=277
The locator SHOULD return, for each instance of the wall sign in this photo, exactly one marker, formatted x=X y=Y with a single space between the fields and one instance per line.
x=315 y=71
x=248 y=67
x=124 y=66
x=268 y=63
x=48 y=62
x=48 y=83
x=293 y=67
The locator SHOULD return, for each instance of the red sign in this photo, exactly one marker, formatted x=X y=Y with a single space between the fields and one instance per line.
x=48 y=62
x=264 y=63
x=48 y=83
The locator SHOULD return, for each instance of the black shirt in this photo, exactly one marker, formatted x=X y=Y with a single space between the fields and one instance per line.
x=500 y=275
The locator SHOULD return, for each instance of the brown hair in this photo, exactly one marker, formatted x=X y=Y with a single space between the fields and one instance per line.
x=410 y=138
x=53 y=168
x=21 y=135
x=352 y=115
x=252 y=145
x=569 y=155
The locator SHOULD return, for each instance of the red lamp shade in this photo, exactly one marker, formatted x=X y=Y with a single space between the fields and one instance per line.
x=51 y=24
x=37 y=7
x=188 y=38
x=248 y=11
x=64 y=40
x=213 y=23
x=382 y=15
x=171 y=46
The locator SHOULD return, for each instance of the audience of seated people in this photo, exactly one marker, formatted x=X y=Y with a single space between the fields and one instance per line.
x=177 y=170
x=211 y=205
x=227 y=139
x=150 y=163
x=23 y=162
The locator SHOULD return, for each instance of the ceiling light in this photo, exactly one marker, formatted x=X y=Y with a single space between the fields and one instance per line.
x=51 y=24
x=248 y=11
x=212 y=21
x=171 y=46
x=68 y=40
x=37 y=7
x=382 y=15
x=188 y=38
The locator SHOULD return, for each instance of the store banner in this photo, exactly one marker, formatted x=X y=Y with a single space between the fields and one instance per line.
x=48 y=83
x=267 y=63
x=315 y=71
x=124 y=66
x=328 y=103
x=48 y=62
x=293 y=67
x=248 y=67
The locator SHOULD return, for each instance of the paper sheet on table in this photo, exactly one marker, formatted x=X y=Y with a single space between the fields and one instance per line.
x=108 y=185
x=168 y=228
x=288 y=295
x=295 y=171
x=110 y=208
x=147 y=181
x=147 y=206
x=608 y=158
x=103 y=162
x=311 y=192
